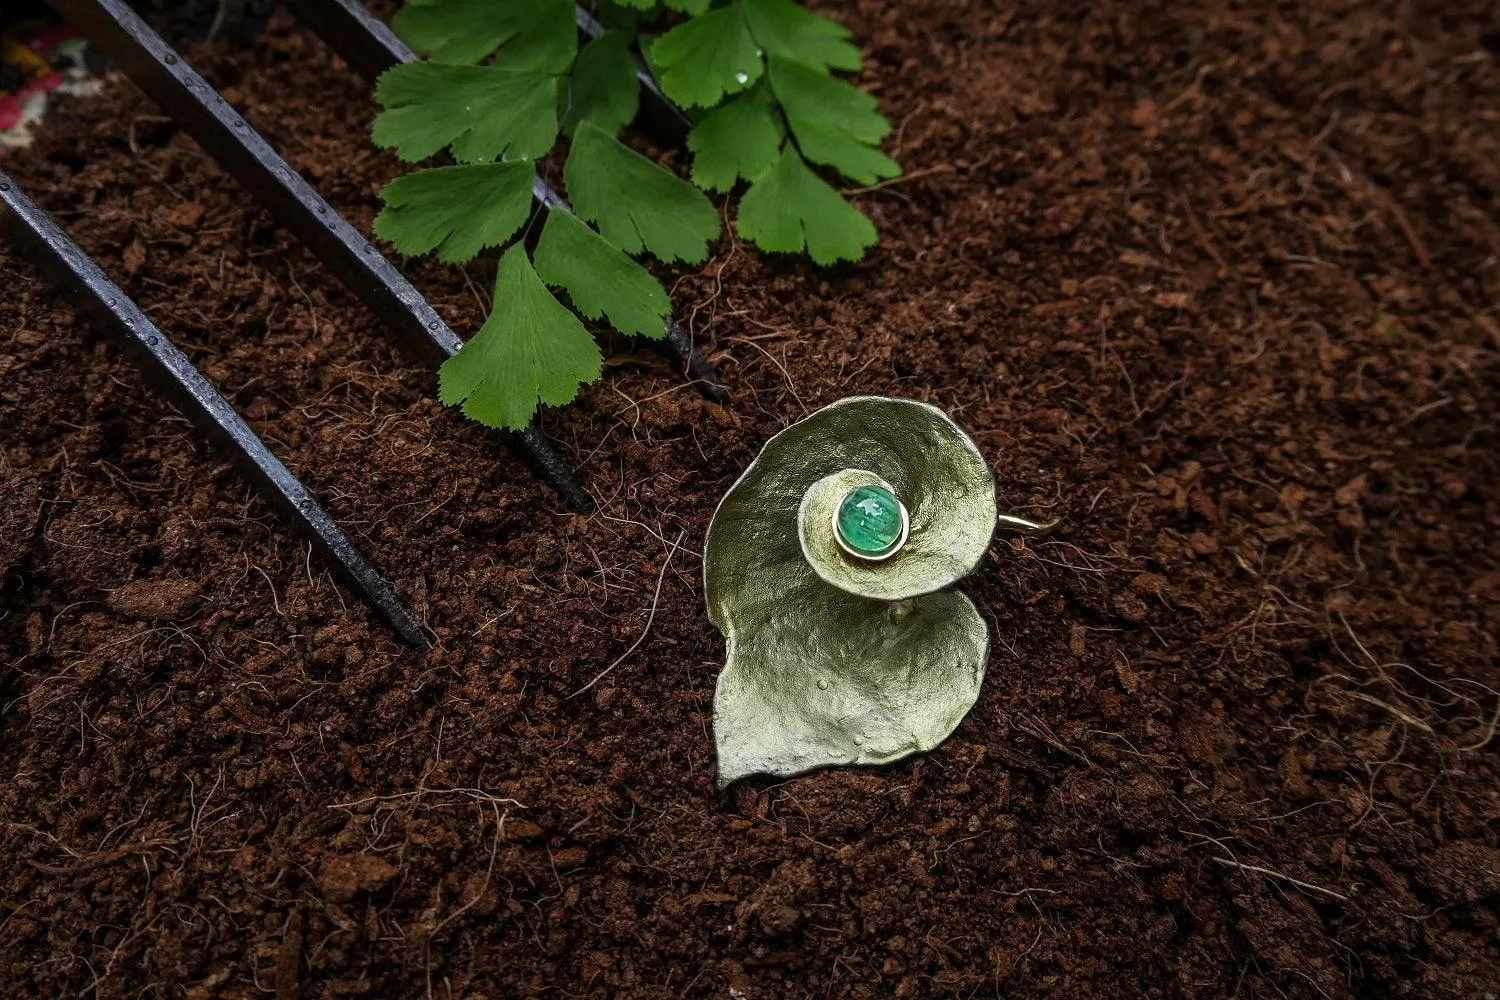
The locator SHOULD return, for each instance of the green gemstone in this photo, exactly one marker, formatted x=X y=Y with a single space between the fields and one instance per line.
x=869 y=521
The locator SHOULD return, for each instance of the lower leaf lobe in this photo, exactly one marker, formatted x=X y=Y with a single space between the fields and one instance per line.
x=531 y=350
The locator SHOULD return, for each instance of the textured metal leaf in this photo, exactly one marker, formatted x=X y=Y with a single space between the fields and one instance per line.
x=834 y=660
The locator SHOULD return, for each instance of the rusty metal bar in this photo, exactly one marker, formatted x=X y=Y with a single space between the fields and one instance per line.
x=166 y=78
x=169 y=371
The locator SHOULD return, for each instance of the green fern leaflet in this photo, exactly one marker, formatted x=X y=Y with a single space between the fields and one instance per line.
x=504 y=81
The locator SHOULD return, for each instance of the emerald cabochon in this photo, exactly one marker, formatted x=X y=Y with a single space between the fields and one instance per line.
x=870 y=521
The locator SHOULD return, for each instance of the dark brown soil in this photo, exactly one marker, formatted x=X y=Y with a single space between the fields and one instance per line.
x=1216 y=283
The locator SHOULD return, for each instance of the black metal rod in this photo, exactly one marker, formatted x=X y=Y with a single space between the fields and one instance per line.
x=370 y=47
x=169 y=371
x=359 y=38
x=168 y=80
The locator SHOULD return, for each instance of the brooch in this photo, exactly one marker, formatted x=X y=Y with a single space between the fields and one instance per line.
x=828 y=567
